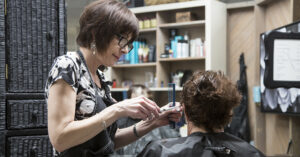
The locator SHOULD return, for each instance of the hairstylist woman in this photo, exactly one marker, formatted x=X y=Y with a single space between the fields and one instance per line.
x=81 y=112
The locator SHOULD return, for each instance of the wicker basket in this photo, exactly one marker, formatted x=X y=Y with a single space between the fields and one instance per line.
x=28 y=146
x=24 y=114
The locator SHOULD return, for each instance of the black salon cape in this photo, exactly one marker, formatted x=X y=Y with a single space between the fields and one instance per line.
x=201 y=145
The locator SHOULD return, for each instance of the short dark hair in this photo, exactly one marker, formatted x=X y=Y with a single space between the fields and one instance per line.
x=209 y=98
x=103 y=19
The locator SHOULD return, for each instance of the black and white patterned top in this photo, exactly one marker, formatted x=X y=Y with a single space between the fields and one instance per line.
x=71 y=69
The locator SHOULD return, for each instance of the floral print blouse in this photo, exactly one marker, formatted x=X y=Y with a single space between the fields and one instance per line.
x=71 y=69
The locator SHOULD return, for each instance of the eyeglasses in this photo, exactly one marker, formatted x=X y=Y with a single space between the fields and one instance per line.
x=123 y=42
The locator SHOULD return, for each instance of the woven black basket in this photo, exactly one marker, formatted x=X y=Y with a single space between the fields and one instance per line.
x=35 y=36
x=24 y=114
x=28 y=146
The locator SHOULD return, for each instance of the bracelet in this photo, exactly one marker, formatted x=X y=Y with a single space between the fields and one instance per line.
x=134 y=131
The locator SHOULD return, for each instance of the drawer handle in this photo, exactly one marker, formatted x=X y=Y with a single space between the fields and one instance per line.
x=49 y=35
x=34 y=116
x=33 y=151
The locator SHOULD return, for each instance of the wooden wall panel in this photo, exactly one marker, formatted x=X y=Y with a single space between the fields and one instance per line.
x=241 y=25
x=295 y=121
x=277 y=14
x=296 y=10
x=295 y=135
x=240 y=38
x=277 y=134
x=271 y=132
x=260 y=131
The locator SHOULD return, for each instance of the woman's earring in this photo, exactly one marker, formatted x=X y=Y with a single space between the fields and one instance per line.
x=93 y=47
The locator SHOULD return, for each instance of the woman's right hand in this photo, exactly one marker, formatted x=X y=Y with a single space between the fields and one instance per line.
x=137 y=108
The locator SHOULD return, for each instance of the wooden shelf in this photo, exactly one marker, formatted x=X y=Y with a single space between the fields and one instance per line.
x=170 y=6
x=239 y=5
x=181 y=59
x=189 y=24
x=148 y=30
x=134 y=65
x=153 y=89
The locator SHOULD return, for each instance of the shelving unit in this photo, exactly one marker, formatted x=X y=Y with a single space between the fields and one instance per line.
x=209 y=25
x=181 y=59
x=190 y=24
x=148 y=30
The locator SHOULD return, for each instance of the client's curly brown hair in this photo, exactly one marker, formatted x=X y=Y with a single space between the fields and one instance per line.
x=209 y=98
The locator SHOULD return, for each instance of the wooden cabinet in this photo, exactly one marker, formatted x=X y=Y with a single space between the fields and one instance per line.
x=209 y=24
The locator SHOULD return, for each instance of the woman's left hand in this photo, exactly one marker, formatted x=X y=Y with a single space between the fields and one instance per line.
x=168 y=115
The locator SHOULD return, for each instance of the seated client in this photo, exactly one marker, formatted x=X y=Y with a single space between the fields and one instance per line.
x=208 y=99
